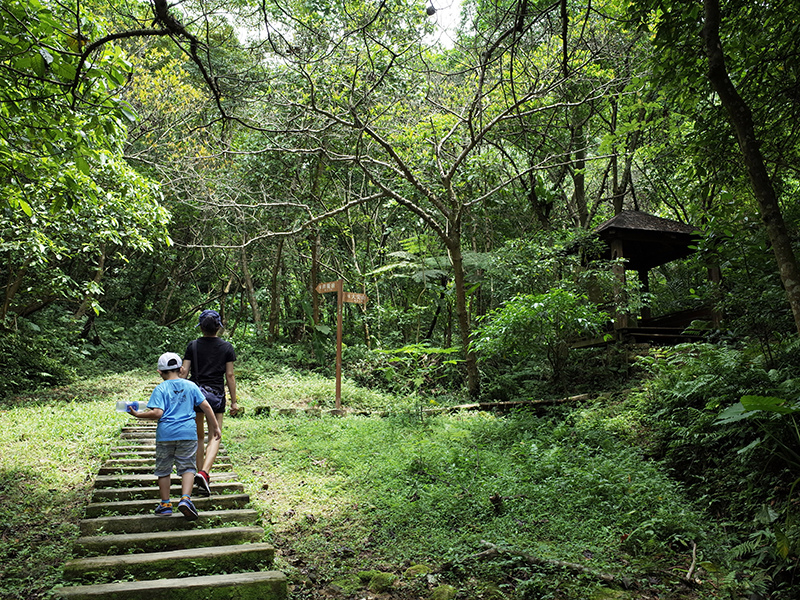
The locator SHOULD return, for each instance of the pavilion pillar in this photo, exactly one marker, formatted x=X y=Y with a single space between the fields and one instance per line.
x=620 y=299
x=644 y=280
x=715 y=276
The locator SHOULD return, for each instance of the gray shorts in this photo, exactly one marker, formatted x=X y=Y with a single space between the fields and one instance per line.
x=182 y=454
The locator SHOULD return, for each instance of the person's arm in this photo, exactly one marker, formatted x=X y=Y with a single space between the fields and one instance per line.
x=213 y=427
x=185 y=369
x=231 y=380
x=153 y=414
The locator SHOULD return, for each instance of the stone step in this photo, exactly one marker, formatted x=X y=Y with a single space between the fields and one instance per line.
x=130 y=462
x=142 y=441
x=143 y=469
x=135 y=449
x=121 y=538
x=139 y=461
x=146 y=444
x=138 y=435
x=135 y=444
x=160 y=541
x=142 y=523
x=138 y=507
x=148 y=451
x=151 y=491
x=265 y=585
x=151 y=454
x=110 y=481
x=171 y=563
x=129 y=431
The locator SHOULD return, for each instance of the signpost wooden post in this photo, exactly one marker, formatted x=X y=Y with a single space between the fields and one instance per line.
x=341 y=298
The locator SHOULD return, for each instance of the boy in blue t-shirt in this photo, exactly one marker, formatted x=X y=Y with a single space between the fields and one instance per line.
x=172 y=403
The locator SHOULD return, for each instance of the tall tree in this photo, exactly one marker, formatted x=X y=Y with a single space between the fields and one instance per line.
x=743 y=53
x=741 y=118
x=435 y=152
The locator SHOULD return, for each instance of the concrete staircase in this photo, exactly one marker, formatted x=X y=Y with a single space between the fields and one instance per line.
x=125 y=552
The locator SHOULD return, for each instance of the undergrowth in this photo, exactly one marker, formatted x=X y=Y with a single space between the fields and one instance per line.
x=53 y=443
x=399 y=491
x=390 y=486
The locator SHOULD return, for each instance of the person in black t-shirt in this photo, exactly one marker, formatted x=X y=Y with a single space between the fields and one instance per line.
x=209 y=360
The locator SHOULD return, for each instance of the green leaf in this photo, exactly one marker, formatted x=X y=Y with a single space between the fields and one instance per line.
x=769 y=404
x=36 y=62
x=82 y=164
x=64 y=70
x=750 y=446
x=766 y=515
x=118 y=76
x=46 y=56
x=732 y=414
x=129 y=114
x=26 y=208
x=782 y=542
x=386 y=268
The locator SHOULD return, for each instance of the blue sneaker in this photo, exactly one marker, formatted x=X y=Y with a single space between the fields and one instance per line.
x=164 y=509
x=188 y=509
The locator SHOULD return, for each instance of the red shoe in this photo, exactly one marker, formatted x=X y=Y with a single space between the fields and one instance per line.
x=201 y=480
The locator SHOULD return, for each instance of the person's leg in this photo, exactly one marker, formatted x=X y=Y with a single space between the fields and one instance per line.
x=187 y=481
x=163 y=488
x=185 y=460
x=200 y=420
x=185 y=504
x=164 y=507
x=202 y=479
x=213 y=447
x=163 y=470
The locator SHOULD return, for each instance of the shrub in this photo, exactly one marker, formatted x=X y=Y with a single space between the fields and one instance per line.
x=29 y=362
x=690 y=386
x=414 y=368
x=540 y=327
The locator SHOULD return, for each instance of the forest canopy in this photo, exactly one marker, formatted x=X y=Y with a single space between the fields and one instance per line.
x=161 y=157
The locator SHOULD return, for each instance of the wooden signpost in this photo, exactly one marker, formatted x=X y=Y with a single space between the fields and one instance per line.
x=341 y=298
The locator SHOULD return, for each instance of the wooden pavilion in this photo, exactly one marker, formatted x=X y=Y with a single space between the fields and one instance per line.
x=646 y=242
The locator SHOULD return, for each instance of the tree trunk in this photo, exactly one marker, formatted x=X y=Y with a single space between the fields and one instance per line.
x=462 y=312
x=98 y=277
x=620 y=297
x=542 y=208
x=274 y=305
x=13 y=285
x=223 y=301
x=167 y=302
x=579 y=174
x=251 y=294
x=315 y=243
x=742 y=120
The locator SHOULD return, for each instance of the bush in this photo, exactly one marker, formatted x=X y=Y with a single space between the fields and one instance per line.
x=691 y=385
x=539 y=327
x=29 y=362
x=412 y=369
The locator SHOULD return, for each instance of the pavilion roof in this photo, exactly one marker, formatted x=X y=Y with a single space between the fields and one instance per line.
x=648 y=241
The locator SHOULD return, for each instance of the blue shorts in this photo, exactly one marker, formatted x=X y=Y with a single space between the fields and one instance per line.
x=216 y=398
x=181 y=453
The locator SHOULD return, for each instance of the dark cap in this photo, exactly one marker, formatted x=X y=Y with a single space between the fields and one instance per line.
x=210 y=313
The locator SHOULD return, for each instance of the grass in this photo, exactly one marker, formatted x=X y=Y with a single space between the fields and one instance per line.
x=388 y=493
x=341 y=496
x=53 y=443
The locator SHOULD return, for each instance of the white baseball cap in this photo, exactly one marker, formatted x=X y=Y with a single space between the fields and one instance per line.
x=169 y=361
